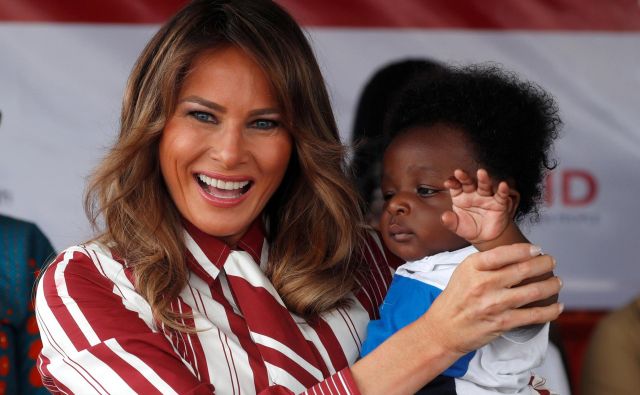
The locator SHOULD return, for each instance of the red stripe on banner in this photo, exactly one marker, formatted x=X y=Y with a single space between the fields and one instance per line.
x=610 y=15
x=92 y=11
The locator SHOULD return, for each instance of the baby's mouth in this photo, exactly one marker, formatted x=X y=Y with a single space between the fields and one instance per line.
x=399 y=233
x=222 y=189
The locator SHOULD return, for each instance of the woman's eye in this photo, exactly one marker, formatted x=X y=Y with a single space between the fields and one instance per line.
x=265 y=124
x=386 y=196
x=426 y=191
x=202 y=116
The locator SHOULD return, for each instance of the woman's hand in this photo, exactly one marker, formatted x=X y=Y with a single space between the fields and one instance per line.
x=481 y=302
x=484 y=297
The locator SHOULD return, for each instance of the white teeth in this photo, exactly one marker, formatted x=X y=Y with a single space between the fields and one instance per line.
x=220 y=184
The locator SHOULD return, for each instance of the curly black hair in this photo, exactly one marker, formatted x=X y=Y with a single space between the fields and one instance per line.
x=511 y=123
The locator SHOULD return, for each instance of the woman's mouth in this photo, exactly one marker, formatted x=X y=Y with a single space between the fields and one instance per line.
x=223 y=189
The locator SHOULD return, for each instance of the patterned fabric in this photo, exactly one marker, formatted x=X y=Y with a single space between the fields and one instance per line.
x=23 y=250
x=502 y=366
x=99 y=335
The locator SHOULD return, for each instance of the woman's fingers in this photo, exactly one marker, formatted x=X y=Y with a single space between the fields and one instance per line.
x=479 y=304
x=512 y=275
x=502 y=256
x=532 y=315
x=525 y=294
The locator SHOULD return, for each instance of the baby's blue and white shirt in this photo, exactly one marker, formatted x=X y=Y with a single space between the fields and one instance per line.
x=503 y=366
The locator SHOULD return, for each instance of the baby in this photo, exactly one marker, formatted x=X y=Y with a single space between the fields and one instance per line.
x=444 y=131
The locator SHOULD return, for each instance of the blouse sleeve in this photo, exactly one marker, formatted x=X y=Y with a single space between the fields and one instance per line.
x=341 y=383
x=97 y=340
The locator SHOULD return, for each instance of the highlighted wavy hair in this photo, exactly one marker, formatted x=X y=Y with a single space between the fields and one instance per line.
x=313 y=220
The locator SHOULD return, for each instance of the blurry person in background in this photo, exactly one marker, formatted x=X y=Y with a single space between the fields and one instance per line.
x=23 y=250
x=612 y=362
x=367 y=136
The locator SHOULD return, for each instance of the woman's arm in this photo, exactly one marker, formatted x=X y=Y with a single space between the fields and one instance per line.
x=478 y=305
x=94 y=341
x=97 y=339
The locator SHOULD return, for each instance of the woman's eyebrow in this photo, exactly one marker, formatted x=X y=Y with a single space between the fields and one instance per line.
x=203 y=102
x=264 y=111
x=217 y=107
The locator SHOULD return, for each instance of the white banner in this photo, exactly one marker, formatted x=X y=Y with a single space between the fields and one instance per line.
x=61 y=86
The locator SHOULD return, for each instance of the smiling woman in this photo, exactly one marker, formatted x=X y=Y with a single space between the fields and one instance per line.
x=230 y=255
x=212 y=150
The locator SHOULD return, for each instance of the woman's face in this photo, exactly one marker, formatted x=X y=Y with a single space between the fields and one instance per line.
x=224 y=151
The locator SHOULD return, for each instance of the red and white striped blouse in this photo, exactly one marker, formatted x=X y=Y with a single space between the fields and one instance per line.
x=99 y=335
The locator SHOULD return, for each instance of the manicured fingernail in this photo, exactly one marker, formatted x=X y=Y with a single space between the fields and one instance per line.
x=559 y=281
x=554 y=262
x=560 y=308
x=535 y=250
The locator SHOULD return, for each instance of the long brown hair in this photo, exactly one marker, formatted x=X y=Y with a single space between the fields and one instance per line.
x=313 y=220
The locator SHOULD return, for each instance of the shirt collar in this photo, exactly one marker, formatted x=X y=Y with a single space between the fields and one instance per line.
x=206 y=254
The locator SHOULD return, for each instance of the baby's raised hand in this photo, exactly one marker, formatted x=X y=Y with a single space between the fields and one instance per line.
x=478 y=214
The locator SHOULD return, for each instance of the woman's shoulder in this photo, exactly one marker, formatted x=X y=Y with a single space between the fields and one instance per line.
x=91 y=263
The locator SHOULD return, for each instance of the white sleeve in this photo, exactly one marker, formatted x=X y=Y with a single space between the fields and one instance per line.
x=505 y=365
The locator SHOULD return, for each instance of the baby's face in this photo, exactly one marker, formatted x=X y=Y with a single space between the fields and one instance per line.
x=415 y=167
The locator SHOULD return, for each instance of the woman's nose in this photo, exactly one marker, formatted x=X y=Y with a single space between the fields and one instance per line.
x=398 y=205
x=229 y=146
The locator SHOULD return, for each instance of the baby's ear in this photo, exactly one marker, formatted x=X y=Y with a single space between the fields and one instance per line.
x=514 y=201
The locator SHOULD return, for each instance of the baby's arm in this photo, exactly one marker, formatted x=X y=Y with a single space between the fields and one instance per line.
x=485 y=218
x=479 y=214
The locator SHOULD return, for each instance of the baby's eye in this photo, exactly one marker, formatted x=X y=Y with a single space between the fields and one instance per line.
x=424 y=191
x=202 y=116
x=265 y=124
x=387 y=195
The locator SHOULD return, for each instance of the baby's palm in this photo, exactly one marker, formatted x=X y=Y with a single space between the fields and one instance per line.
x=478 y=214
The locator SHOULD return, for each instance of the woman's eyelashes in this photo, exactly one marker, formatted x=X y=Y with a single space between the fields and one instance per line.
x=264 y=124
x=261 y=124
x=203 y=116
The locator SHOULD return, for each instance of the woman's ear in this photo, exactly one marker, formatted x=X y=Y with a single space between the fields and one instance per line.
x=514 y=201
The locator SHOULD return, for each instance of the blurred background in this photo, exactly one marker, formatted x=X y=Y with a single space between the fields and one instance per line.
x=64 y=63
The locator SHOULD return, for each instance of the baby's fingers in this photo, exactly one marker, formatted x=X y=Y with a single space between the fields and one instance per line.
x=454 y=186
x=502 y=194
x=468 y=184
x=485 y=186
x=449 y=220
